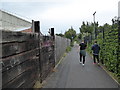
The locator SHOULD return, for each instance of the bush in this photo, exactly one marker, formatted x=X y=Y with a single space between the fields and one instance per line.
x=109 y=54
x=68 y=49
x=72 y=44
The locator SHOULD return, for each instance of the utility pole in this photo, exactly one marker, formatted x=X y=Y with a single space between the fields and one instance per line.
x=94 y=24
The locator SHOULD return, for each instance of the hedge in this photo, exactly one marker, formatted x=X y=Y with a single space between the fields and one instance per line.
x=109 y=53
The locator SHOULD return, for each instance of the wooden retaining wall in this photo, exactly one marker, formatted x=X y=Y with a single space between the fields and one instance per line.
x=24 y=56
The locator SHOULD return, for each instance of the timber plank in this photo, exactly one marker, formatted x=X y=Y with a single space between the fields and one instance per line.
x=10 y=36
x=12 y=61
x=19 y=69
x=15 y=48
x=18 y=81
x=31 y=80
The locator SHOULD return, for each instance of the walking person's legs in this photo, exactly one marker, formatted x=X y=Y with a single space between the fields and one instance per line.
x=97 y=56
x=80 y=58
x=84 y=54
x=94 y=59
x=83 y=60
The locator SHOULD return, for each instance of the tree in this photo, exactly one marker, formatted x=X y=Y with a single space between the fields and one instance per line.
x=79 y=36
x=87 y=28
x=71 y=33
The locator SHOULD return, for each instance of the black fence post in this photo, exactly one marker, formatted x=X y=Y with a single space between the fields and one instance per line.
x=37 y=30
x=53 y=39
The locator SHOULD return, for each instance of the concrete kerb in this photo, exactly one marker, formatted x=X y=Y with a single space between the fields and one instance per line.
x=109 y=74
x=60 y=60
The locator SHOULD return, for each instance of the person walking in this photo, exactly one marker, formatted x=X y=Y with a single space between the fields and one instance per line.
x=82 y=52
x=96 y=49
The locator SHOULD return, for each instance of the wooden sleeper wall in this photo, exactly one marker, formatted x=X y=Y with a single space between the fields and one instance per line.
x=19 y=59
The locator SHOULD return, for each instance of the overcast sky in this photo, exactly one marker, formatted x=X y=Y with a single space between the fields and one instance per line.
x=62 y=14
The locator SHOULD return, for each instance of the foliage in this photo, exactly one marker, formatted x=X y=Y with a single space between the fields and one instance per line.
x=109 y=49
x=71 y=34
x=79 y=36
x=72 y=43
x=87 y=28
x=109 y=53
x=61 y=35
x=68 y=49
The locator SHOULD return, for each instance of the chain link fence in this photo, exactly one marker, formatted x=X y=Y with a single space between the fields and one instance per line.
x=60 y=47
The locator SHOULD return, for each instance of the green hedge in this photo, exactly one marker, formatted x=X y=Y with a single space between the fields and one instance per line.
x=109 y=51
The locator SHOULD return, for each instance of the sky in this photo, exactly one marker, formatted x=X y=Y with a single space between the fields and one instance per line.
x=62 y=14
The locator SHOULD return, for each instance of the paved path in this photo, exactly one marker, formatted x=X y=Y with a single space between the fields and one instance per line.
x=71 y=74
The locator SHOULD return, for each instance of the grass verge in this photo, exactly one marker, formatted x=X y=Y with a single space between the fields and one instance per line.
x=68 y=49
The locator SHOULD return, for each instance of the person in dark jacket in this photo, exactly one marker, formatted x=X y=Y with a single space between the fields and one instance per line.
x=96 y=49
x=82 y=52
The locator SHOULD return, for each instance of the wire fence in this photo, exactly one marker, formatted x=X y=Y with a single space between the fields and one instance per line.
x=60 y=46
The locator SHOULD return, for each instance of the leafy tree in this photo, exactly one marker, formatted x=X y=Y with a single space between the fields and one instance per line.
x=71 y=33
x=79 y=36
x=87 y=28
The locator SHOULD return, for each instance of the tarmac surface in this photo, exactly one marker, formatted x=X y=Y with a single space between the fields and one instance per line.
x=71 y=74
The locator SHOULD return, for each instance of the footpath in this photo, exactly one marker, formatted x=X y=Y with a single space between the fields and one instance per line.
x=71 y=74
